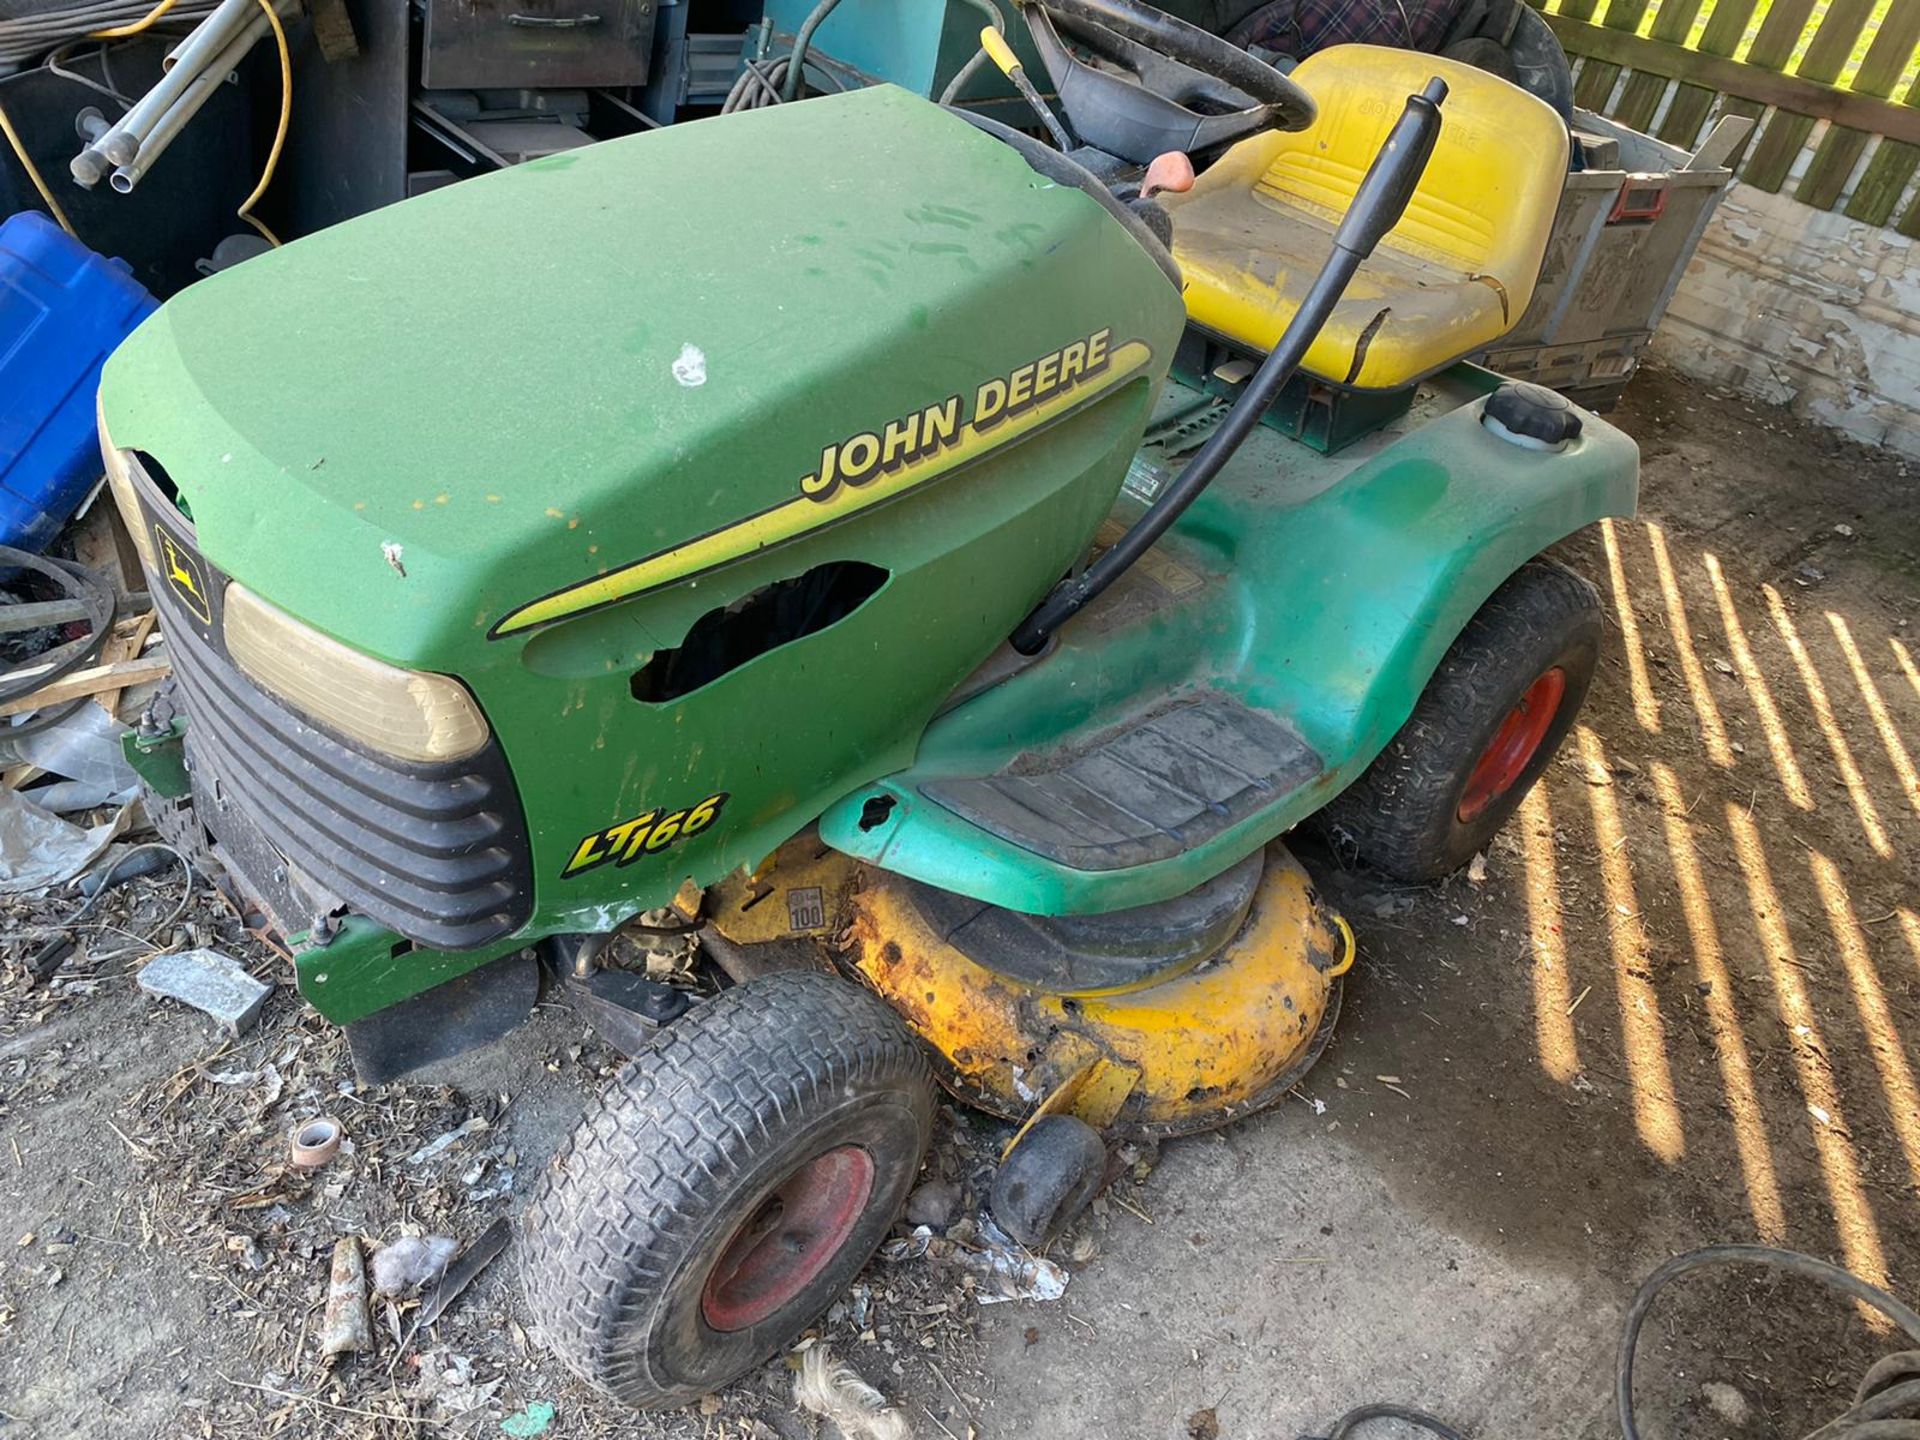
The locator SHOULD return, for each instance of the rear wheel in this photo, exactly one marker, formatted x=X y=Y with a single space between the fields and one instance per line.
x=728 y=1185
x=1488 y=722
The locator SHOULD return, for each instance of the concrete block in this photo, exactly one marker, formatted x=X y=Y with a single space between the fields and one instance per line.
x=209 y=981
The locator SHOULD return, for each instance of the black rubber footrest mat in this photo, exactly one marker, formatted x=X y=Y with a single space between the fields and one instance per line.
x=1142 y=793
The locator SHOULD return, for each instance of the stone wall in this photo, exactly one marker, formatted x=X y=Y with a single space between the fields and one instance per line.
x=1807 y=309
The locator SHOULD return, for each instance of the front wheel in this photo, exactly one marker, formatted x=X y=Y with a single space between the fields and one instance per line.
x=1488 y=722
x=729 y=1183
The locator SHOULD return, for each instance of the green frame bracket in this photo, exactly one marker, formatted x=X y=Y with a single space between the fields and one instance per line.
x=363 y=967
x=160 y=760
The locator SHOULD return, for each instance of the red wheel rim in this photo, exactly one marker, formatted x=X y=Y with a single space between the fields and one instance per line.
x=1514 y=744
x=793 y=1232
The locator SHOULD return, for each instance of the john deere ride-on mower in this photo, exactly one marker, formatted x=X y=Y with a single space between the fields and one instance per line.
x=829 y=526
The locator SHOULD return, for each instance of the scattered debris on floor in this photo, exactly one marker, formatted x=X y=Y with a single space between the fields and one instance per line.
x=314 y=1143
x=210 y=982
x=406 y=1265
x=347 y=1328
x=833 y=1390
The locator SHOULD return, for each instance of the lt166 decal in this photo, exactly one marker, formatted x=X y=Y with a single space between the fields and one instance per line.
x=646 y=834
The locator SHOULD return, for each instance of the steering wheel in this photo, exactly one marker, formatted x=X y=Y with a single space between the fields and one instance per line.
x=1158 y=83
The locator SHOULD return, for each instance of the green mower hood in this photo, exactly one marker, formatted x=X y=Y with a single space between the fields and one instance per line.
x=535 y=376
x=848 y=366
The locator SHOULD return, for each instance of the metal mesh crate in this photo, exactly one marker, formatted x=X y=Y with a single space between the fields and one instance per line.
x=1626 y=227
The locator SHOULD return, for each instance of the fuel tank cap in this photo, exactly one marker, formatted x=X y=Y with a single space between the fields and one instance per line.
x=1531 y=416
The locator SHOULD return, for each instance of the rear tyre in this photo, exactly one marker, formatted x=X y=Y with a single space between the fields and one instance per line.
x=729 y=1183
x=1499 y=705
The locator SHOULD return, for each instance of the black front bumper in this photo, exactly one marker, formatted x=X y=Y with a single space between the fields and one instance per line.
x=318 y=827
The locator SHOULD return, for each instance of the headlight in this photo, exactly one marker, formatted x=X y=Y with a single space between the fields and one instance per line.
x=404 y=713
x=120 y=480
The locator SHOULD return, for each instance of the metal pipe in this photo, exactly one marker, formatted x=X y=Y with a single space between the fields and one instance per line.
x=90 y=124
x=199 y=90
x=209 y=38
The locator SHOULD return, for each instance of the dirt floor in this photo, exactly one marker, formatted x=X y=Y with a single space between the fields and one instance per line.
x=1680 y=1005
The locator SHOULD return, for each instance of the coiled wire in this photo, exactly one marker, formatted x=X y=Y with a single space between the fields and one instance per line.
x=1886 y=1406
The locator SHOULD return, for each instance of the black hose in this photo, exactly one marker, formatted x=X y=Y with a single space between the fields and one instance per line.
x=964 y=75
x=1887 y=1404
x=1355 y=1418
x=796 y=62
x=1377 y=206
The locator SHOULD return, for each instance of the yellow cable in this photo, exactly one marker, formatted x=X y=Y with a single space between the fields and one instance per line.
x=998 y=51
x=280 y=131
x=33 y=173
x=1352 y=948
x=121 y=31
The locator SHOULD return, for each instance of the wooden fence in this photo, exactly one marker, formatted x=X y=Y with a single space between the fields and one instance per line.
x=1805 y=61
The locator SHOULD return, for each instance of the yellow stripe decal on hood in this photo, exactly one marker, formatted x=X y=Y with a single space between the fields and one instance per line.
x=870 y=468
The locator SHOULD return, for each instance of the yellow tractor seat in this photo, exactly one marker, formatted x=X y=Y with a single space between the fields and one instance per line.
x=1454 y=275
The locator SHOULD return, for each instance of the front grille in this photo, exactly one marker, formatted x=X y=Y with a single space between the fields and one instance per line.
x=436 y=852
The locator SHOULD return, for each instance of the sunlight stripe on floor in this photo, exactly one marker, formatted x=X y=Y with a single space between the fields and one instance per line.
x=1552 y=984
x=1706 y=710
x=1877 y=711
x=1643 y=1032
x=1729 y=1041
x=1884 y=1042
x=1646 y=709
x=1843 y=760
x=1784 y=760
x=1858 y=1232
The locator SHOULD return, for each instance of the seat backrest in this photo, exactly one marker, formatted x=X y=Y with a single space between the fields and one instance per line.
x=1486 y=203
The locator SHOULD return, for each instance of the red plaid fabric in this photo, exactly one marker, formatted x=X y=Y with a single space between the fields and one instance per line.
x=1300 y=27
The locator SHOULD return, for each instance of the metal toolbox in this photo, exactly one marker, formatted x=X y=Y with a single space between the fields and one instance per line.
x=515 y=44
x=1626 y=228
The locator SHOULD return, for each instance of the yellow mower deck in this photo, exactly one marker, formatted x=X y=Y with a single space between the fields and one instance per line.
x=1188 y=1048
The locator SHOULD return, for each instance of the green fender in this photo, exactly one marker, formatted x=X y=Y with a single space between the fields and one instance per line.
x=1320 y=591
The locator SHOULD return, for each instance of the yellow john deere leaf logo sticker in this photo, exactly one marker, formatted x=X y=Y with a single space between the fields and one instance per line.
x=871 y=466
x=184 y=576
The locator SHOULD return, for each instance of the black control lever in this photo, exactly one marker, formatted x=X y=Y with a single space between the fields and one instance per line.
x=1377 y=207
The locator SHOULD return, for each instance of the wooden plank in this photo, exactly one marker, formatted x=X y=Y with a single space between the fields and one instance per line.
x=1579 y=9
x=1780 y=143
x=1892 y=165
x=1779 y=33
x=1886 y=58
x=1763 y=166
x=1910 y=222
x=1625 y=14
x=20 y=776
x=1745 y=82
x=1880 y=189
x=1641 y=96
x=1640 y=99
x=90 y=681
x=1832 y=163
x=1834 y=42
x=129 y=638
x=1594 y=84
x=1753 y=110
x=1726 y=27
x=1674 y=20
x=1687 y=115
x=1785 y=135
x=32 y=614
x=101 y=543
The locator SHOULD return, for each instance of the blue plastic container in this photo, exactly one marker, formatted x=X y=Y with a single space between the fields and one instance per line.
x=63 y=310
